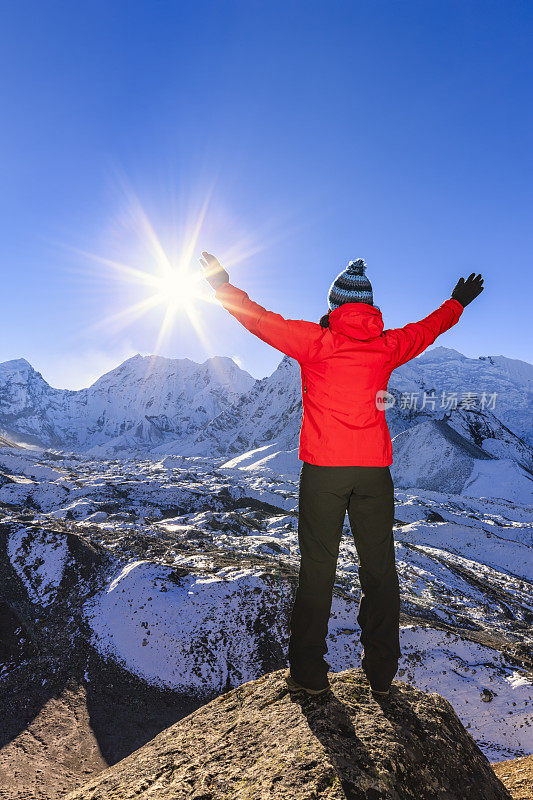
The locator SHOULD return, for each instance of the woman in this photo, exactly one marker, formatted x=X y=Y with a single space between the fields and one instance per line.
x=345 y=445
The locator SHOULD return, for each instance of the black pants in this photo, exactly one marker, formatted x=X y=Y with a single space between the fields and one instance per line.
x=326 y=493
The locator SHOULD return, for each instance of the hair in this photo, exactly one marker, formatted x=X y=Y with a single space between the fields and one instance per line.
x=324 y=321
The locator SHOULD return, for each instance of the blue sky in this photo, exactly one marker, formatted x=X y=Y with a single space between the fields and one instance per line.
x=398 y=132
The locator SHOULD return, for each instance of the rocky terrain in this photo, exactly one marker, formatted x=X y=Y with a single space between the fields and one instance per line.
x=258 y=741
x=517 y=776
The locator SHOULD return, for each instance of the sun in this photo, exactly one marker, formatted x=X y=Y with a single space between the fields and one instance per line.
x=160 y=272
x=177 y=288
x=166 y=277
x=174 y=288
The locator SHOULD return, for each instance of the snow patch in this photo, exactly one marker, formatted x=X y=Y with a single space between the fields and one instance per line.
x=186 y=631
x=38 y=558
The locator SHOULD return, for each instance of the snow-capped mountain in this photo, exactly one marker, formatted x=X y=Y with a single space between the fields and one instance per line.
x=179 y=406
x=484 y=429
x=260 y=433
x=449 y=410
x=507 y=384
x=270 y=411
x=142 y=403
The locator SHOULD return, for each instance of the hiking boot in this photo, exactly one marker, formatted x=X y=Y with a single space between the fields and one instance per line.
x=294 y=686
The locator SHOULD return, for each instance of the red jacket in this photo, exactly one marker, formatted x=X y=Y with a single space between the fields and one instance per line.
x=342 y=368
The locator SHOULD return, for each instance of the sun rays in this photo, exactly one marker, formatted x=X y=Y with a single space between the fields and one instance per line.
x=157 y=275
x=143 y=267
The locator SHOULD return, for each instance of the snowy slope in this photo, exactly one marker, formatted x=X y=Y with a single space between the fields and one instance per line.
x=484 y=429
x=188 y=630
x=30 y=409
x=502 y=478
x=270 y=459
x=431 y=455
x=434 y=455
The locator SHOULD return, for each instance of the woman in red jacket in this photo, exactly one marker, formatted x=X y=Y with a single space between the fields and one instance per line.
x=345 y=445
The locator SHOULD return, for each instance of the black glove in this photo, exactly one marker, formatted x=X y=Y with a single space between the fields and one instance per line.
x=214 y=273
x=466 y=291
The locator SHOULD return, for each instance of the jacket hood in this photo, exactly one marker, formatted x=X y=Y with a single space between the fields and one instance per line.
x=357 y=320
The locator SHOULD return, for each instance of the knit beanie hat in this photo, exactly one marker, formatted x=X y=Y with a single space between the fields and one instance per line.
x=351 y=286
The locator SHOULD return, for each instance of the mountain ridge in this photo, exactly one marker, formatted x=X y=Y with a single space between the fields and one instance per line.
x=179 y=406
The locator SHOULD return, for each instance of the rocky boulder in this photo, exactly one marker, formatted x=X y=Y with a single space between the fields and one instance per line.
x=258 y=741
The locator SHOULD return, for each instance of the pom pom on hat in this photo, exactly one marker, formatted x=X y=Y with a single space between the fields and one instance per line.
x=357 y=267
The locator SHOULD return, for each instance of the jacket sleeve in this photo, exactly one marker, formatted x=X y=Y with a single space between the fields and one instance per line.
x=412 y=339
x=294 y=337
